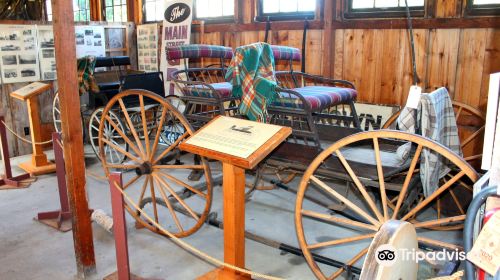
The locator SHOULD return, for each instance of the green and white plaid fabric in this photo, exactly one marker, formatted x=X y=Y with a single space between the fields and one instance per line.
x=251 y=73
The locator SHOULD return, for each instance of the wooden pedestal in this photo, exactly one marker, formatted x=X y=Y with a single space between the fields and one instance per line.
x=38 y=164
x=233 y=172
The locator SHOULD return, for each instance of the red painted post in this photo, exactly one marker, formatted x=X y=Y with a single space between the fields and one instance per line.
x=119 y=227
x=7 y=179
x=59 y=219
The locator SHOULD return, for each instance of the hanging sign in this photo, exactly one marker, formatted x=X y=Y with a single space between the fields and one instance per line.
x=176 y=31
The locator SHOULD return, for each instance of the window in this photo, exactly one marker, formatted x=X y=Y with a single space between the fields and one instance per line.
x=286 y=9
x=153 y=10
x=483 y=7
x=214 y=9
x=383 y=8
x=115 y=10
x=81 y=10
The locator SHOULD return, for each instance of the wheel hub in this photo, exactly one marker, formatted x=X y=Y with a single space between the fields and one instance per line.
x=145 y=168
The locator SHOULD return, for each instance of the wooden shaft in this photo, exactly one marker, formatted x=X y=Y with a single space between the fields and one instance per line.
x=439 y=222
x=38 y=158
x=337 y=220
x=119 y=227
x=69 y=98
x=381 y=178
x=234 y=214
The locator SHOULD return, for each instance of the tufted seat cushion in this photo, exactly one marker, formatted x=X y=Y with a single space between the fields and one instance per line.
x=318 y=97
x=223 y=89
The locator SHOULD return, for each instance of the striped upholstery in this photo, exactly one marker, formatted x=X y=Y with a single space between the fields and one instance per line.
x=319 y=97
x=223 y=89
x=286 y=53
x=198 y=51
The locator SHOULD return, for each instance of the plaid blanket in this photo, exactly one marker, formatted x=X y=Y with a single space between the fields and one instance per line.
x=437 y=122
x=86 y=80
x=198 y=51
x=251 y=73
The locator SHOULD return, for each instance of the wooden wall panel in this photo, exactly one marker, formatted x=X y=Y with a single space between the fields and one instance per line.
x=448 y=8
x=443 y=56
x=470 y=67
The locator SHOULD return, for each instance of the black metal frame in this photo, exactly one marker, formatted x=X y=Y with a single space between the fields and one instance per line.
x=392 y=12
x=485 y=9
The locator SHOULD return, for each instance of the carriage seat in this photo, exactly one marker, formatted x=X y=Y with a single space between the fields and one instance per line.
x=224 y=90
x=318 y=97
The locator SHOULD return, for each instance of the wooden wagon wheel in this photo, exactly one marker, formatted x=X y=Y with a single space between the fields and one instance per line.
x=160 y=188
x=56 y=113
x=471 y=124
x=367 y=218
x=110 y=133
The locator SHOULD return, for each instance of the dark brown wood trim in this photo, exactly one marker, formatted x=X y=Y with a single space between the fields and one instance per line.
x=258 y=26
x=96 y=10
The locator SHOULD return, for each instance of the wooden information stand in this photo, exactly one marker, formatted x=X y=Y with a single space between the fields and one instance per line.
x=221 y=139
x=39 y=163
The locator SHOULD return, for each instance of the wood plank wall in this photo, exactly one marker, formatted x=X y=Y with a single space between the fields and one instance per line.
x=378 y=61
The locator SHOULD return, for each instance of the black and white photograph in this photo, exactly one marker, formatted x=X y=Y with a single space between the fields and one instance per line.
x=114 y=38
x=79 y=35
x=27 y=32
x=89 y=32
x=97 y=36
x=98 y=43
x=10 y=73
x=80 y=41
x=88 y=42
x=28 y=72
x=9 y=60
x=10 y=47
x=49 y=75
x=49 y=53
x=46 y=38
x=30 y=47
x=27 y=59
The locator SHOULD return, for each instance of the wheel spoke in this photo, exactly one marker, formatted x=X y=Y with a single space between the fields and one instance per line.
x=129 y=183
x=381 y=178
x=435 y=194
x=455 y=199
x=182 y=184
x=122 y=166
x=159 y=130
x=438 y=243
x=169 y=206
x=173 y=166
x=347 y=202
x=120 y=150
x=340 y=241
x=153 y=197
x=132 y=129
x=170 y=148
x=172 y=192
x=439 y=222
x=349 y=263
x=406 y=183
x=471 y=137
x=123 y=135
x=337 y=220
x=360 y=186
x=144 y=125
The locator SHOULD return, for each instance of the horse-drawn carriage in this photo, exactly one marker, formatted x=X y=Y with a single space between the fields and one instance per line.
x=353 y=182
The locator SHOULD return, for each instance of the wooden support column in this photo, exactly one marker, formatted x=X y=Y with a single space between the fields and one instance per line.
x=328 y=64
x=96 y=10
x=134 y=11
x=64 y=36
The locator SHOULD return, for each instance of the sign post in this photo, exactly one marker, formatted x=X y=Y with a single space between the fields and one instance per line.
x=239 y=145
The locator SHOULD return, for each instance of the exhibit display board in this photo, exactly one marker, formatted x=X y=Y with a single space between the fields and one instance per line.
x=147 y=47
x=176 y=31
x=46 y=52
x=18 y=51
x=89 y=41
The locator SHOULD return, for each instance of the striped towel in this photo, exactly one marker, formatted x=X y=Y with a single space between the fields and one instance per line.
x=437 y=122
x=251 y=73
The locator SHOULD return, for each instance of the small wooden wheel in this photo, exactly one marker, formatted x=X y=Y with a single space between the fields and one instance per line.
x=363 y=217
x=158 y=186
x=56 y=113
x=110 y=133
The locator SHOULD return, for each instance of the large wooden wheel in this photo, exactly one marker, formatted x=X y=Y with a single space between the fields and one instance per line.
x=470 y=124
x=110 y=133
x=159 y=186
x=364 y=216
x=56 y=113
